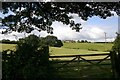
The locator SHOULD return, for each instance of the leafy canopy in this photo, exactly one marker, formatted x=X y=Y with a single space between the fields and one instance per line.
x=43 y=14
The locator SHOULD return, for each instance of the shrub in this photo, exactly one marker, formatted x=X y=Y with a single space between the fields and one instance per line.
x=30 y=61
x=116 y=46
x=116 y=55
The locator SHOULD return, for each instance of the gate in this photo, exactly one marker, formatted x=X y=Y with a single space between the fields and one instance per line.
x=85 y=62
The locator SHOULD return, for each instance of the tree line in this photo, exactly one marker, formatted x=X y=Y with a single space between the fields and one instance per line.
x=78 y=41
x=48 y=40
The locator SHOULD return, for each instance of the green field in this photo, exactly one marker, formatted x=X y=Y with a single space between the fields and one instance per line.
x=71 y=48
x=71 y=70
x=84 y=72
x=81 y=48
x=7 y=46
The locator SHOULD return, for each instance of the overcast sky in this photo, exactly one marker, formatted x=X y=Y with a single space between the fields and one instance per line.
x=93 y=30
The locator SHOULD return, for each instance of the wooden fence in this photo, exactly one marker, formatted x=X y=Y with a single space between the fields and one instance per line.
x=79 y=58
x=113 y=57
x=82 y=58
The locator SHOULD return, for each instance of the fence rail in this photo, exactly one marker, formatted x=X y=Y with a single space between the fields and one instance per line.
x=84 y=60
x=81 y=58
x=79 y=55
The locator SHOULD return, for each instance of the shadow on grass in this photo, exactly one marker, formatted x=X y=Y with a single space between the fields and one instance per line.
x=84 y=70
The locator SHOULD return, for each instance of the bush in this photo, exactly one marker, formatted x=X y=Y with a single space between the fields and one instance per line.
x=116 y=46
x=52 y=41
x=116 y=55
x=29 y=62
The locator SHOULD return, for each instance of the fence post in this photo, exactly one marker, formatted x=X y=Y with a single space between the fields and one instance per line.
x=78 y=62
x=112 y=56
x=115 y=65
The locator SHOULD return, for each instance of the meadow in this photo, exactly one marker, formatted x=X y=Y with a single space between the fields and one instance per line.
x=71 y=48
x=81 y=48
x=83 y=70
x=71 y=70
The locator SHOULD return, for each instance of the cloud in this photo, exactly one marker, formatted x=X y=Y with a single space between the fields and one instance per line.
x=76 y=18
x=90 y=32
x=12 y=36
x=113 y=12
x=95 y=33
x=64 y=32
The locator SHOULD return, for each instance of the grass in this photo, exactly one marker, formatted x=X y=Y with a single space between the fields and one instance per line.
x=7 y=46
x=71 y=48
x=75 y=70
x=87 y=46
x=83 y=72
x=81 y=48
x=71 y=70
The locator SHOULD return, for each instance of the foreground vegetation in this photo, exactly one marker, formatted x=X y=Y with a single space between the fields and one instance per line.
x=30 y=61
x=72 y=69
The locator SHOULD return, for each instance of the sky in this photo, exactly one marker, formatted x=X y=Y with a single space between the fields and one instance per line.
x=93 y=29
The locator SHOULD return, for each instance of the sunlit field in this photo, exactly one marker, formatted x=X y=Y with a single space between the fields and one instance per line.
x=7 y=46
x=82 y=70
x=71 y=48
x=81 y=48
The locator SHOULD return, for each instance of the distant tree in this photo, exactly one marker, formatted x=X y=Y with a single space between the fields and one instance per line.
x=78 y=41
x=52 y=41
x=86 y=41
x=58 y=43
x=7 y=41
x=82 y=41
